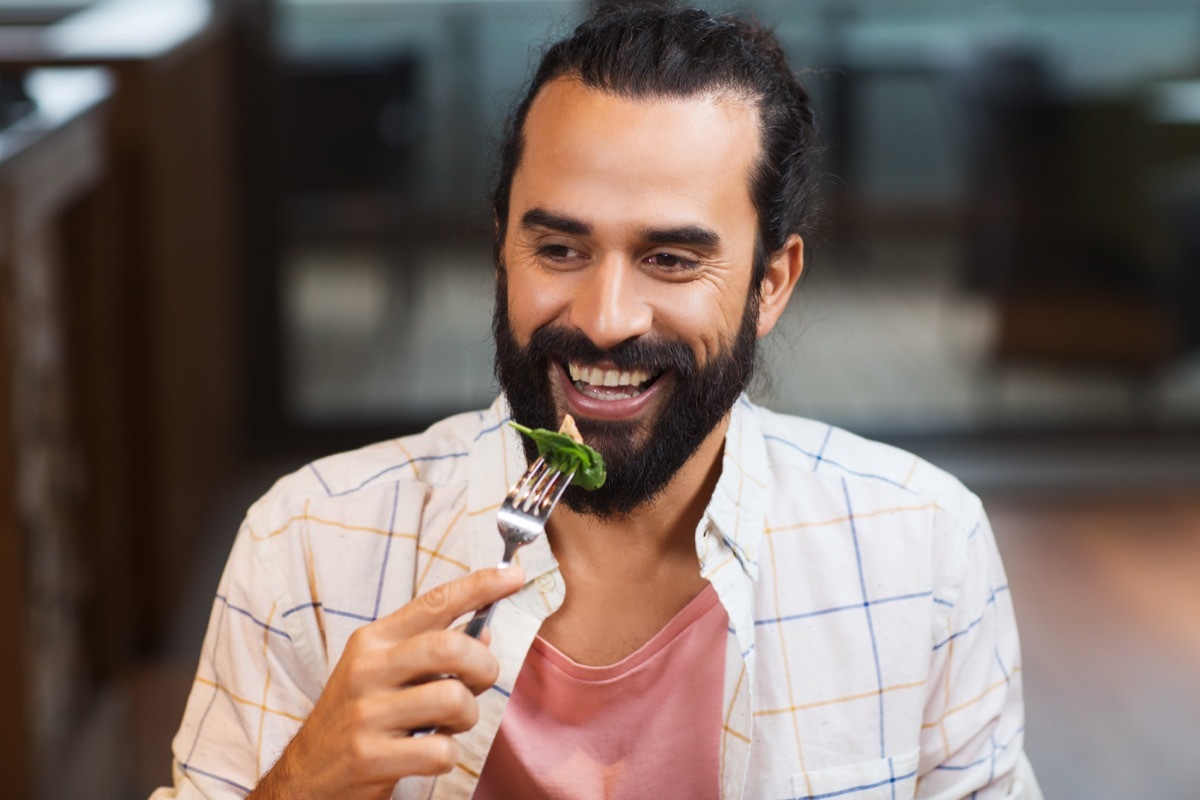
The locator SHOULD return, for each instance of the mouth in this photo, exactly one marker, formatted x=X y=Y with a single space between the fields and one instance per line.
x=603 y=392
x=609 y=384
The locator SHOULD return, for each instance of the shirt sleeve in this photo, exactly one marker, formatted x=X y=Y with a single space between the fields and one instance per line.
x=972 y=739
x=254 y=685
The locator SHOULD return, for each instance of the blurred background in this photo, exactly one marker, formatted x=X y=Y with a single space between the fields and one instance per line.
x=238 y=234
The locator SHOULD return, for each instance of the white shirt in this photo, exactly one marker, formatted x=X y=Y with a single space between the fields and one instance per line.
x=872 y=649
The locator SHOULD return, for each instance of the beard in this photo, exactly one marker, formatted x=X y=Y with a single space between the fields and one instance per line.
x=640 y=462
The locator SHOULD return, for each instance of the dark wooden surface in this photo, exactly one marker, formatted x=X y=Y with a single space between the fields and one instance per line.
x=138 y=404
x=46 y=685
x=153 y=298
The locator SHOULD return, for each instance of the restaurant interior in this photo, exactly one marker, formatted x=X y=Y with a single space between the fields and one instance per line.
x=236 y=235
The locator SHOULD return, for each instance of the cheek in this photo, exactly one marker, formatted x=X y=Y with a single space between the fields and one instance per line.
x=705 y=316
x=532 y=300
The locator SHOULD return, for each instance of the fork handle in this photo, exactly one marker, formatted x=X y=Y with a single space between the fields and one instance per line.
x=482 y=618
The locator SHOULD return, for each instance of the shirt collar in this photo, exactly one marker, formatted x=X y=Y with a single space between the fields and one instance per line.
x=738 y=506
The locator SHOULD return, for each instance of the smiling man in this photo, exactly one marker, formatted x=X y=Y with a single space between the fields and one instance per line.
x=627 y=295
x=753 y=606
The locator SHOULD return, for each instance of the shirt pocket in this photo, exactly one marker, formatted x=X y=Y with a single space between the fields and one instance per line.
x=892 y=778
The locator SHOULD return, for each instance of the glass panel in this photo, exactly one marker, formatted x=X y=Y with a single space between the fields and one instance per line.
x=1010 y=241
x=391 y=110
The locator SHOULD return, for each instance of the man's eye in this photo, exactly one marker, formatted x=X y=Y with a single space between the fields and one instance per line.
x=670 y=261
x=557 y=252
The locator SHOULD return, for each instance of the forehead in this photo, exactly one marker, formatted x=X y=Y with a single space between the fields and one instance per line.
x=587 y=149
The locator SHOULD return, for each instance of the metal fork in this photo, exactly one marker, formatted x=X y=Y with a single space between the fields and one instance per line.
x=522 y=518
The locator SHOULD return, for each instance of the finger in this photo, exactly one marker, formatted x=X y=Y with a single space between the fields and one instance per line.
x=485 y=635
x=435 y=754
x=445 y=704
x=443 y=604
x=438 y=653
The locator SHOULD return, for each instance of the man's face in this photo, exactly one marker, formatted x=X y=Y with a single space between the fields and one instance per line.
x=624 y=295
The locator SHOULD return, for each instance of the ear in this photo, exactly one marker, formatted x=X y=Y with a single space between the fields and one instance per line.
x=783 y=271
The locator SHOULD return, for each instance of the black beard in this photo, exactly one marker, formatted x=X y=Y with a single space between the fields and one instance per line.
x=638 y=471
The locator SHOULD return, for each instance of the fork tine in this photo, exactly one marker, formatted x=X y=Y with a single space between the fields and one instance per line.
x=549 y=495
x=520 y=489
x=540 y=488
x=553 y=493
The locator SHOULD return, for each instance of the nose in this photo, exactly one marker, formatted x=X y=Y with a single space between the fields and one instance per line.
x=608 y=308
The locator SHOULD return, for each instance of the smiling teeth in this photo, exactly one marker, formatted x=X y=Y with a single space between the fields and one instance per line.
x=611 y=377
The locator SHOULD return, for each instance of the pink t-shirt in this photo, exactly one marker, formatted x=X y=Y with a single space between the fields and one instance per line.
x=647 y=726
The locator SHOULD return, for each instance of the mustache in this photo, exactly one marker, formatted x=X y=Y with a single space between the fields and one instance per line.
x=649 y=352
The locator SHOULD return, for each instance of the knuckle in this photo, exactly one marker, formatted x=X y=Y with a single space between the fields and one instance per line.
x=462 y=696
x=358 y=666
x=358 y=715
x=451 y=704
x=361 y=752
x=360 y=639
x=445 y=647
x=438 y=599
x=491 y=670
x=449 y=696
x=441 y=754
x=457 y=596
x=470 y=713
x=352 y=665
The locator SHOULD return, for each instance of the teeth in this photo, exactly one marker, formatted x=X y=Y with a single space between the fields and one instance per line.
x=606 y=394
x=612 y=377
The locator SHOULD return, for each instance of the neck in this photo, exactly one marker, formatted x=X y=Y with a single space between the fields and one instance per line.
x=627 y=577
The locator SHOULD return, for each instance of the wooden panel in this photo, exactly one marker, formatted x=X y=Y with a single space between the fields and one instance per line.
x=166 y=284
x=189 y=307
x=14 y=743
x=44 y=672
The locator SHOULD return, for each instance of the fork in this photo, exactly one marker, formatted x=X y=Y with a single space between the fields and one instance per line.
x=522 y=518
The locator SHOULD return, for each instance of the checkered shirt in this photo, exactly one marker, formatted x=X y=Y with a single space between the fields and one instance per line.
x=872 y=650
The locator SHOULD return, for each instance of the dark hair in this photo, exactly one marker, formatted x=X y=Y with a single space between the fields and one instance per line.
x=649 y=51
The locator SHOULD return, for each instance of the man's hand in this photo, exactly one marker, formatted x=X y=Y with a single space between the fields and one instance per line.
x=356 y=743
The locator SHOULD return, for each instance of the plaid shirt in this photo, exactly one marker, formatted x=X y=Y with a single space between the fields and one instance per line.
x=872 y=650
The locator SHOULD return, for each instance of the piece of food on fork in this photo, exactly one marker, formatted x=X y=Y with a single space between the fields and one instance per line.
x=569 y=428
x=565 y=451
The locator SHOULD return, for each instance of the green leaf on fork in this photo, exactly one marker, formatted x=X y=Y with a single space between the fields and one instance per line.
x=567 y=455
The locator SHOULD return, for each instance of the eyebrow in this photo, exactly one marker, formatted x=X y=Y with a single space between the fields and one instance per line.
x=541 y=218
x=688 y=235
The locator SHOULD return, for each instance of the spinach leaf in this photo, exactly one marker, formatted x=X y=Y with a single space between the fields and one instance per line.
x=567 y=455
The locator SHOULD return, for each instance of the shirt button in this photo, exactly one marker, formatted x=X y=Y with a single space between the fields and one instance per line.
x=546 y=582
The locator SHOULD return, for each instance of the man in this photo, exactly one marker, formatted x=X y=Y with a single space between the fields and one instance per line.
x=754 y=606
